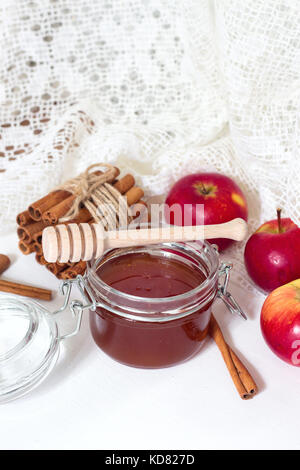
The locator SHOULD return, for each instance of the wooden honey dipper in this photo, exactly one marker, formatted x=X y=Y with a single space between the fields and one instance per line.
x=75 y=242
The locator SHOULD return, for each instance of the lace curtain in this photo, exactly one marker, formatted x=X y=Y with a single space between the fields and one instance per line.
x=160 y=88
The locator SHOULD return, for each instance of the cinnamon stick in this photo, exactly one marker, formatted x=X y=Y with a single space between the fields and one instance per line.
x=4 y=263
x=59 y=210
x=241 y=377
x=37 y=248
x=82 y=216
x=55 y=268
x=73 y=271
x=37 y=209
x=24 y=218
x=125 y=183
x=21 y=233
x=244 y=374
x=25 y=290
x=26 y=248
x=62 y=275
x=40 y=259
x=133 y=195
x=37 y=237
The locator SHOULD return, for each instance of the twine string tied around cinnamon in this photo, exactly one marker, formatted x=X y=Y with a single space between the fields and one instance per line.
x=92 y=189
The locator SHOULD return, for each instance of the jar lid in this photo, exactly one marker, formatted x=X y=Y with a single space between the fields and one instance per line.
x=29 y=345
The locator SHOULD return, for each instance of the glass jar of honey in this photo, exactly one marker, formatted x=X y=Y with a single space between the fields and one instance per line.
x=153 y=304
x=149 y=307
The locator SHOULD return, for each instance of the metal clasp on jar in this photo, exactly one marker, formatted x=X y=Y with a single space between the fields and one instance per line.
x=223 y=293
x=76 y=306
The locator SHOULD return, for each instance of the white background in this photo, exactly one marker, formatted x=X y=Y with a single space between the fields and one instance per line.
x=91 y=402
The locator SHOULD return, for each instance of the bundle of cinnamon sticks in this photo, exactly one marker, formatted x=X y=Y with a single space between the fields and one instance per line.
x=51 y=208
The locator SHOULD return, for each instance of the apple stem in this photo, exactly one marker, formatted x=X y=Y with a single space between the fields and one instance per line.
x=279 y=220
x=203 y=188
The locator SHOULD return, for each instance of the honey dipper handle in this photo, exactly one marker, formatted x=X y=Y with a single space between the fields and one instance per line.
x=74 y=242
x=235 y=229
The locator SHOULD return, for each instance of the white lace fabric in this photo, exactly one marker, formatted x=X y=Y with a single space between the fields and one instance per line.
x=159 y=88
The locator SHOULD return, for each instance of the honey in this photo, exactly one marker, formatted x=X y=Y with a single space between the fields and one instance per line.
x=152 y=281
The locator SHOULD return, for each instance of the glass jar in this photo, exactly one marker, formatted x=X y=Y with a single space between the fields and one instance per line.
x=137 y=331
x=160 y=331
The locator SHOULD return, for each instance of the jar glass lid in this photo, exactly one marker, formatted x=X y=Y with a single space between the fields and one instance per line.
x=29 y=345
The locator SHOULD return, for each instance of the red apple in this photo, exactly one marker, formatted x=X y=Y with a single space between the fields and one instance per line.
x=222 y=199
x=280 y=322
x=272 y=254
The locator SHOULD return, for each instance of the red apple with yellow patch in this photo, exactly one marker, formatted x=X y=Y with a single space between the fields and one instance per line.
x=272 y=253
x=280 y=322
x=223 y=201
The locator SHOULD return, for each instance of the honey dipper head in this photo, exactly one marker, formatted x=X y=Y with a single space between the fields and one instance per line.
x=72 y=242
